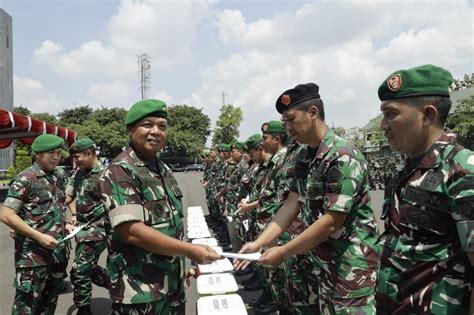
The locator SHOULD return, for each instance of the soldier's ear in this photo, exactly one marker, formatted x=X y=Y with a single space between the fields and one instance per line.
x=430 y=113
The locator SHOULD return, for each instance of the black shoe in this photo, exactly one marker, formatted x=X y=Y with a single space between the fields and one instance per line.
x=84 y=310
x=266 y=308
x=253 y=286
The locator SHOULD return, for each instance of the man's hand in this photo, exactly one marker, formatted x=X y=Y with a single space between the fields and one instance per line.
x=47 y=241
x=69 y=228
x=203 y=254
x=274 y=256
x=248 y=248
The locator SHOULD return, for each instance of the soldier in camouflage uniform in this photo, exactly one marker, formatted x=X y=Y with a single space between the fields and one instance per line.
x=143 y=203
x=300 y=282
x=428 y=244
x=90 y=241
x=35 y=209
x=341 y=231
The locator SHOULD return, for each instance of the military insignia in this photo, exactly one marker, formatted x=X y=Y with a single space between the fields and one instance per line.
x=285 y=99
x=431 y=181
x=264 y=127
x=394 y=82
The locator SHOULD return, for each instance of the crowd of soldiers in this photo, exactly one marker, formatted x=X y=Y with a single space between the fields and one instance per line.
x=295 y=192
x=380 y=169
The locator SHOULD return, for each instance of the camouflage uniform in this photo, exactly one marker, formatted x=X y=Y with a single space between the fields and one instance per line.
x=268 y=205
x=91 y=240
x=133 y=190
x=346 y=263
x=247 y=181
x=38 y=198
x=429 y=222
x=300 y=283
x=212 y=189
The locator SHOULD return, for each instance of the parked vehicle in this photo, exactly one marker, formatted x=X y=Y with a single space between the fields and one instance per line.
x=193 y=167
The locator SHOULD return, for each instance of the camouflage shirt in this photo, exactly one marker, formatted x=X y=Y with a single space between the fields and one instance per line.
x=84 y=187
x=337 y=181
x=38 y=198
x=268 y=201
x=235 y=191
x=428 y=210
x=133 y=190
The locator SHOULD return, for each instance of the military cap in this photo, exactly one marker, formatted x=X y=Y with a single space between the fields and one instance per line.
x=82 y=144
x=426 y=80
x=226 y=147
x=253 y=141
x=46 y=143
x=296 y=95
x=273 y=126
x=144 y=109
x=238 y=145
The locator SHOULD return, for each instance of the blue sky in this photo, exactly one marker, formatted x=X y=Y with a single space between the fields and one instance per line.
x=85 y=52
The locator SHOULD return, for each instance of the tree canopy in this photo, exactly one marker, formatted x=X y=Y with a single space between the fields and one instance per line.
x=461 y=121
x=75 y=115
x=227 y=126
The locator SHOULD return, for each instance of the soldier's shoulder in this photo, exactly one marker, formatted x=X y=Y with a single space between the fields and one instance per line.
x=464 y=158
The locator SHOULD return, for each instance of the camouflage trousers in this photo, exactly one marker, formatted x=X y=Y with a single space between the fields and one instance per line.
x=301 y=285
x=435 y=287
x=162 y=306
x=347 y=287
x=275 y=278
x=37 y=289
x=84 y=267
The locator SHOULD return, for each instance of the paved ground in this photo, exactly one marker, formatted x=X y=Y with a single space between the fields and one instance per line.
x=193 y=195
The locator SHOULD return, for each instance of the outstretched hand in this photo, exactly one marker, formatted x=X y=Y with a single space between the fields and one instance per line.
x=248 y=248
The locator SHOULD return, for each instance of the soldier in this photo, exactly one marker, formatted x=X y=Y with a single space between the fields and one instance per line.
x=428 y=244
x=35 y=209
x=83 y=193
x=341 y=231
x=143 y=202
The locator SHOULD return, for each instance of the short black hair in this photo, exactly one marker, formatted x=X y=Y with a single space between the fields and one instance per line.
x=283 y=137
x=304 y=106
x=442 y=104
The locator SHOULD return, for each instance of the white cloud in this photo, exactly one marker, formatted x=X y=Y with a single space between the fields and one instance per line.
x=109 y=93
x=30 y=93
x=165 y=97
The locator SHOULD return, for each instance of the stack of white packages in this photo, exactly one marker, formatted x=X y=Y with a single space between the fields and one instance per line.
x=216 y=284
x=196 y=224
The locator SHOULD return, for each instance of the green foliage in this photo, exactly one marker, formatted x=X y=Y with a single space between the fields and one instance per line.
x=375 y=134
x=22 y=110
x=462 y=122
x=105 y=116
x=188 y=129
x=75 y=115
x=22 y=160
x=354 y=136
x=110 y=138
x=11 y=172
x=227 y=126
x=341 y=132
x=46 y=117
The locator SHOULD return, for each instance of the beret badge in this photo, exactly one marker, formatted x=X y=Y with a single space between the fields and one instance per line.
x=285 y=99
x=394 y=82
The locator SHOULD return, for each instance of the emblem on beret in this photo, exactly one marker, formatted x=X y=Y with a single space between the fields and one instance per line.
x=265 y=127
x=285 y=99
x=394 y=82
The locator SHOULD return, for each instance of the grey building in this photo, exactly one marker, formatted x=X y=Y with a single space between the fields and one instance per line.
x=6 y=79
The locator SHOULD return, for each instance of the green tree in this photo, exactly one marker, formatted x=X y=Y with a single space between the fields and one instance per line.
x=461 y=121
x=227 y=126
x=354 y=136
x=22 y=110
x=375 y=134
x=22 y=160
x=105 y=116
x=46 y=117
x=11 y=172
x=341 y=132
x=75 y=115
x=188 y=129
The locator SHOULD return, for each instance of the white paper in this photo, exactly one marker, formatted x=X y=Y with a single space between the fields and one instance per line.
x=246 y=225
x=252 y=256
x=230 y=218
x=74 y=232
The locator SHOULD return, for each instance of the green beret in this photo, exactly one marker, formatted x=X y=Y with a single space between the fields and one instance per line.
x=253 y=141
x=273 y=126
x=82 y=144
x=226 y=147
x=238 y=145
x=426 y=80
x=296 y=95
x=45 y=143
x=144 y=109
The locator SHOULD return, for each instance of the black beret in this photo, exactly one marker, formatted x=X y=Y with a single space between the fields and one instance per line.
x=296 y=95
